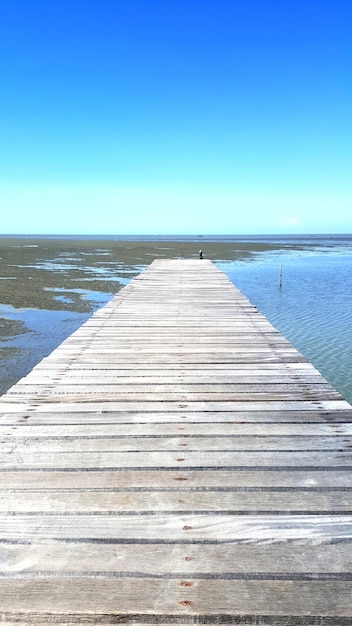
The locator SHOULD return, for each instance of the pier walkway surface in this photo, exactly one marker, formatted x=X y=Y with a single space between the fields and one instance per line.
x=176 y=460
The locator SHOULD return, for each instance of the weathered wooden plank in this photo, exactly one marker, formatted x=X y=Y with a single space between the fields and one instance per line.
x=176 y=528
x=11 y=457
x=238 y=336
x=311 y=431
x=203 y=390
x=246 y=479
x=191 y=561
x=193 y=351
x=339 y=422
x=213 y=598
x=229 y=502
x=48 y=367
x=177 y=393
x=120 y=377
x=12 y=404
x=179 y=442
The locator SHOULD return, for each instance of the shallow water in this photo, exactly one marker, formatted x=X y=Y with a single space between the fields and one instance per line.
x=50 y=286
x=34 y=334
x=312 y=308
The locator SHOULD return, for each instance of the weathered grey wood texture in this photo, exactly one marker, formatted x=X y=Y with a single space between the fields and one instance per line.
x=176 y=460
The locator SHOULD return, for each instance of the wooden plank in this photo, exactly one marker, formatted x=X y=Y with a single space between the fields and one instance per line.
x=204 y=390
x=338 y=420
x=86 y=429
x=176 y=393
x=178 y=528
x=190 y=561
x=44 y=404
x=114 y=378
x=226 y=502
x=10 y=459
x=253 y=480
x=311 y=431
x=44 y=367
x=214 y=600
x=174 y=443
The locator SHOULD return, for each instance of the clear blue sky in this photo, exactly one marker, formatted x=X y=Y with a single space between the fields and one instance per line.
x=175 y=116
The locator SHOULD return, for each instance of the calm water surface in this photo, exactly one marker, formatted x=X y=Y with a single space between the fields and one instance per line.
x=312 y=308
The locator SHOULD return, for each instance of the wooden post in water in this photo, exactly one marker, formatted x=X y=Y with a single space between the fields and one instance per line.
x=280 y=274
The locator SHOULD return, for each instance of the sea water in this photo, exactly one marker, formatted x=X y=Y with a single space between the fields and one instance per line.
x=313 y=306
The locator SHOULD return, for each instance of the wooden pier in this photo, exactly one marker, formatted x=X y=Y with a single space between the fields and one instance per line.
x=176 y=461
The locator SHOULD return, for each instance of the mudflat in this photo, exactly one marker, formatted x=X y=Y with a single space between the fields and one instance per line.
x=32 y=270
